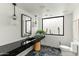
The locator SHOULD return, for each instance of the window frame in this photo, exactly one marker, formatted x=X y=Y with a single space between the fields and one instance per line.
x=54 y=17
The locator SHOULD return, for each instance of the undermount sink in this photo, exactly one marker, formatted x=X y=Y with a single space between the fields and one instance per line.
x=28 y=42
x=30 y=38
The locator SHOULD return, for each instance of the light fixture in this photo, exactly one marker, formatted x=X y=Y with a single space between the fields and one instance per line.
x=14 y=15
x=35 y=19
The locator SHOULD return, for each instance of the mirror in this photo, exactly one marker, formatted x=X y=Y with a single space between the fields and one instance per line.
x=26 y=28
x=53 y=25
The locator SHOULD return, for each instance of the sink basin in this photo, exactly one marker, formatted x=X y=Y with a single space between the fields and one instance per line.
x=28 y=42
x=30 y=38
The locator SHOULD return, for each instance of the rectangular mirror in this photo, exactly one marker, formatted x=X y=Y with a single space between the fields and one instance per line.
x=26 y=27
x=53 y=25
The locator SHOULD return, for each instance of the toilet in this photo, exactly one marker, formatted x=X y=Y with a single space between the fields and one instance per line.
x=69 y=51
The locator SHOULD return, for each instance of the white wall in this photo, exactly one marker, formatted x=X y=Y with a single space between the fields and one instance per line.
x=68 y=29
x=10 y=31
x=76 y=24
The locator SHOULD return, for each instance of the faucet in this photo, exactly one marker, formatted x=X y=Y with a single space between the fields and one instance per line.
x=28 y=36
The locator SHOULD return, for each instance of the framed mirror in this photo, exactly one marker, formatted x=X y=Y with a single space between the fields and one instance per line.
x=53 y=25
x=26 y=25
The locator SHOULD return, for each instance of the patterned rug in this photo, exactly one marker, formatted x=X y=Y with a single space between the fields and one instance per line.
x=46 y=51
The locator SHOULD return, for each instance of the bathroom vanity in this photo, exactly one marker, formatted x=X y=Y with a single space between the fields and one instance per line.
x=25 y=45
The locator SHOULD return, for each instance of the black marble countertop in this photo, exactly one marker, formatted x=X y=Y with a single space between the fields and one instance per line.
x=24 y=47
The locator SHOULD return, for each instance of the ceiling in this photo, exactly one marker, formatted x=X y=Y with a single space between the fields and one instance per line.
x=35 y=8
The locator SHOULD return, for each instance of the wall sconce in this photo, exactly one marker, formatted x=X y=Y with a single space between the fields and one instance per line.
x=35 y=21
x=14 y=15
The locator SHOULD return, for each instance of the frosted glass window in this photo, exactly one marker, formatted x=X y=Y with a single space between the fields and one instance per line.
x=54 y=25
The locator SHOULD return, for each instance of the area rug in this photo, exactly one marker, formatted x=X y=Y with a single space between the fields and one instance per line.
x=46 y=51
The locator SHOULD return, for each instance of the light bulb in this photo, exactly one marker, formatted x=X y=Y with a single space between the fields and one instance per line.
x=14 y=17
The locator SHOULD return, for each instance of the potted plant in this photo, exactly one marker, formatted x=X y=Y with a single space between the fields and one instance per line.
x=40 y=32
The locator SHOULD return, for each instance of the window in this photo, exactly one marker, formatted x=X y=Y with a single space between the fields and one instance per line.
x=53 y=25
x=25 y=25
